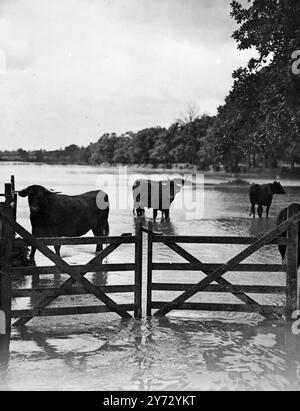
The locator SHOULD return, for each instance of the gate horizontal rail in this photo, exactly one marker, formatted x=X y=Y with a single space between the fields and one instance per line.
x=47 y=291
x=55 y=241
x=270 y=268
x=259 y=309
x=52 y=269
x=61 y=311
x=214 y=288
x=230 y=240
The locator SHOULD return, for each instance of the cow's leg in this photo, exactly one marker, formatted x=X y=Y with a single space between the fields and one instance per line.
x=253 y=211
x=57 y=249
x=140 y=212
x=282 y=250
x=35 y=276
x=98 y=233
x=101 y=230
x=260 y=211
x=35 y=233
x=154 y=214
x=268 y=208
x=32 y=253
x=167 y=214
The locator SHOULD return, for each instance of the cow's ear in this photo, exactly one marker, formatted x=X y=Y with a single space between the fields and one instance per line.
x=24 y=193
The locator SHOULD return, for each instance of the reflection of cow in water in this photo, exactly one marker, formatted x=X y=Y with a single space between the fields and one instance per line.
x=158 y=195
x=262 y=195
x=57 y=215
x=283 y=216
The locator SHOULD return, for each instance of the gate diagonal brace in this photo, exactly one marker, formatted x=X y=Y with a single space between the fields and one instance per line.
x=72 y=271
x=231 y=264
x=66 y=285
x=191 y=259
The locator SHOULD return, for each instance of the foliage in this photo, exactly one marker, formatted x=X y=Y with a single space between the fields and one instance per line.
x=259 y=122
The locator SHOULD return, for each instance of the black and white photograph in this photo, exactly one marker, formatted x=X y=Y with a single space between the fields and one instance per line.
x=149 y=198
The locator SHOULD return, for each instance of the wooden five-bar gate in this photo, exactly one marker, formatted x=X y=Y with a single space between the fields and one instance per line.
x=285 y=234
x=8 y=241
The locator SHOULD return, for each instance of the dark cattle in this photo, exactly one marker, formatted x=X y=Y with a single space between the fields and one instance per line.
x=158 y=195
x=281 y=218
x=262 y=196
x=57 y=215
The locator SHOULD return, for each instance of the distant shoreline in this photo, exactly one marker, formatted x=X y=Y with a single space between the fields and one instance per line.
x=214 y=179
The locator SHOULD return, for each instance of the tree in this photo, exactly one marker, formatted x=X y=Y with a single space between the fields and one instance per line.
x=260 y=117
x=23 y=154
x=143 y=143
x=39 y=155
x=163 y=151
x=191 y=114
x=103 y=150
x=122 y=150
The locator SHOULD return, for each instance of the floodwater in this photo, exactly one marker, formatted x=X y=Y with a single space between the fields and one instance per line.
x=185 y=350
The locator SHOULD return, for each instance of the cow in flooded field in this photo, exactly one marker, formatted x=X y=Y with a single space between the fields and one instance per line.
x=158 y=195
x=262 y=196
x=283 y=216
x=58 y=215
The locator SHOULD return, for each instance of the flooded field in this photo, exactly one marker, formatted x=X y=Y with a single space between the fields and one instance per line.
x=186 y=350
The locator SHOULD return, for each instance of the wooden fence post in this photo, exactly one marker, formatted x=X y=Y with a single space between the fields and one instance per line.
x=149 y=271
x=5 y=280
x=292 y=266
x=138 y=269
x=15 y=196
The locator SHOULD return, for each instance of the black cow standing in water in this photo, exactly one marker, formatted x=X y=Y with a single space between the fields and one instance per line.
x=158 y=195
x=58 y=215
x=283 y=216
x=262 y=196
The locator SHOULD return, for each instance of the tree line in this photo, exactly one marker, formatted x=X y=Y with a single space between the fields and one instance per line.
x=181 y=143
x=257 y=126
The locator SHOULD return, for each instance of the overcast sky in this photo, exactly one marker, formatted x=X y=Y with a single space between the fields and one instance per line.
x=75 y=69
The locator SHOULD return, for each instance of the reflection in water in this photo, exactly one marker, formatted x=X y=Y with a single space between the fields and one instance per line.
x=159 y=354
x=97 y=278
x=164 y=227
x=260 y=227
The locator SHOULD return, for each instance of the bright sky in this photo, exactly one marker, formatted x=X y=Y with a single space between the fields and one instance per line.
x=74 y=69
